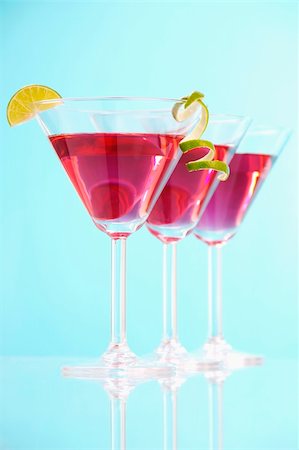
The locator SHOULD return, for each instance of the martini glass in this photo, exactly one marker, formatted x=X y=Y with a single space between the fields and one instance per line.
x=118 y=153
x=224 y=214
x=177 y=212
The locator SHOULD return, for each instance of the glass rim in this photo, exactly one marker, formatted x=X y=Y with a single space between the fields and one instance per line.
x=267 y=130
x=214 y=117
x=105 y=98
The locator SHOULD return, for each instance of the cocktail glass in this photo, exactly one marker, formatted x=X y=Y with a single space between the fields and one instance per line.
x=177 y=212
x=220 y=221
x=118 y=153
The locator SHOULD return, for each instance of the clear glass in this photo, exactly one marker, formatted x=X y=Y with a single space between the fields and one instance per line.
x=176 y=213
x=220 y=221
x=118 y=154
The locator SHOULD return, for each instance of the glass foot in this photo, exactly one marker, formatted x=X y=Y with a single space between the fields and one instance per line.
x=118 y=383
x=101 y=369
x=236 y=360
x=171 y=353
x=219 y=351
x=119 y=356
x=233 y=361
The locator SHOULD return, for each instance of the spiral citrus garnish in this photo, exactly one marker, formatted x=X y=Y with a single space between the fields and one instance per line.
x=22 y=106
x=181 y=111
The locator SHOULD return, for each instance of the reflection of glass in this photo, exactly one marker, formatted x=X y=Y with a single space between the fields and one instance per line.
x=118 y=415
x=249 y=168
x=216 y=416
x=118 y=424
x=170 y=387
x=58 y=414
x=216 y=379
x=170 y=420
x=118 y=153
x=176 y=213
x=118 y=390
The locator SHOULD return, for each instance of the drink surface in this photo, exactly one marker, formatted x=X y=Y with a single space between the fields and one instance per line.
x=229 y=203
x=179 y=206
x=115 y=174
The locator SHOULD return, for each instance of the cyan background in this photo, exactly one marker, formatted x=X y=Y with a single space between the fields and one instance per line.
x=55 y=264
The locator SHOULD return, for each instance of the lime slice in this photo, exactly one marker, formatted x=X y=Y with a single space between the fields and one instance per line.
x=182 y=110
x=21 y=106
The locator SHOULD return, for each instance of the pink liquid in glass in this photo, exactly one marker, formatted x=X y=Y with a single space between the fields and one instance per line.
x=178 y=208
x=116 y=175
x=232 y=198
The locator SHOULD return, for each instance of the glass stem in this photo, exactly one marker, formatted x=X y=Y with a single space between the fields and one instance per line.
x=118 y=291
x=169 y=292
x=216 y=415
x=215 y=291
x=170 y=419
x=118 y=424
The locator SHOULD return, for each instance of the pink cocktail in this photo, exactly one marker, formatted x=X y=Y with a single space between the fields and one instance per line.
x=181 y=202
x=116 y=175
x=229 y=204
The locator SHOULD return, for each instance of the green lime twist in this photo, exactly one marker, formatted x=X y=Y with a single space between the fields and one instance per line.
x=181 y=111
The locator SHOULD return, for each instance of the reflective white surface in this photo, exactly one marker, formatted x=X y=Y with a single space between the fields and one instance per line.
x=254 y=410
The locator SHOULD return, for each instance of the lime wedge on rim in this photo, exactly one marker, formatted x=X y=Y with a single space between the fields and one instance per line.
x=22 y=107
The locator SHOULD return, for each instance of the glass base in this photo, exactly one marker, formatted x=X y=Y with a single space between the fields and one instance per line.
x=216 y=349
x=119 y=355
x=228 y=359
x=97 y=370
x=118 y=383
x=172 y=353
x=118 y=362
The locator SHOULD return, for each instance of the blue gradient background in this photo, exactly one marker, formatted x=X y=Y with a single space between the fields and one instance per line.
x=55 y=264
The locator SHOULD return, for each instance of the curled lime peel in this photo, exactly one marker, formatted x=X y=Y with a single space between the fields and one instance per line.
x=192 y=98
x=218 y=166
x=184 y=109
x=199 y=143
